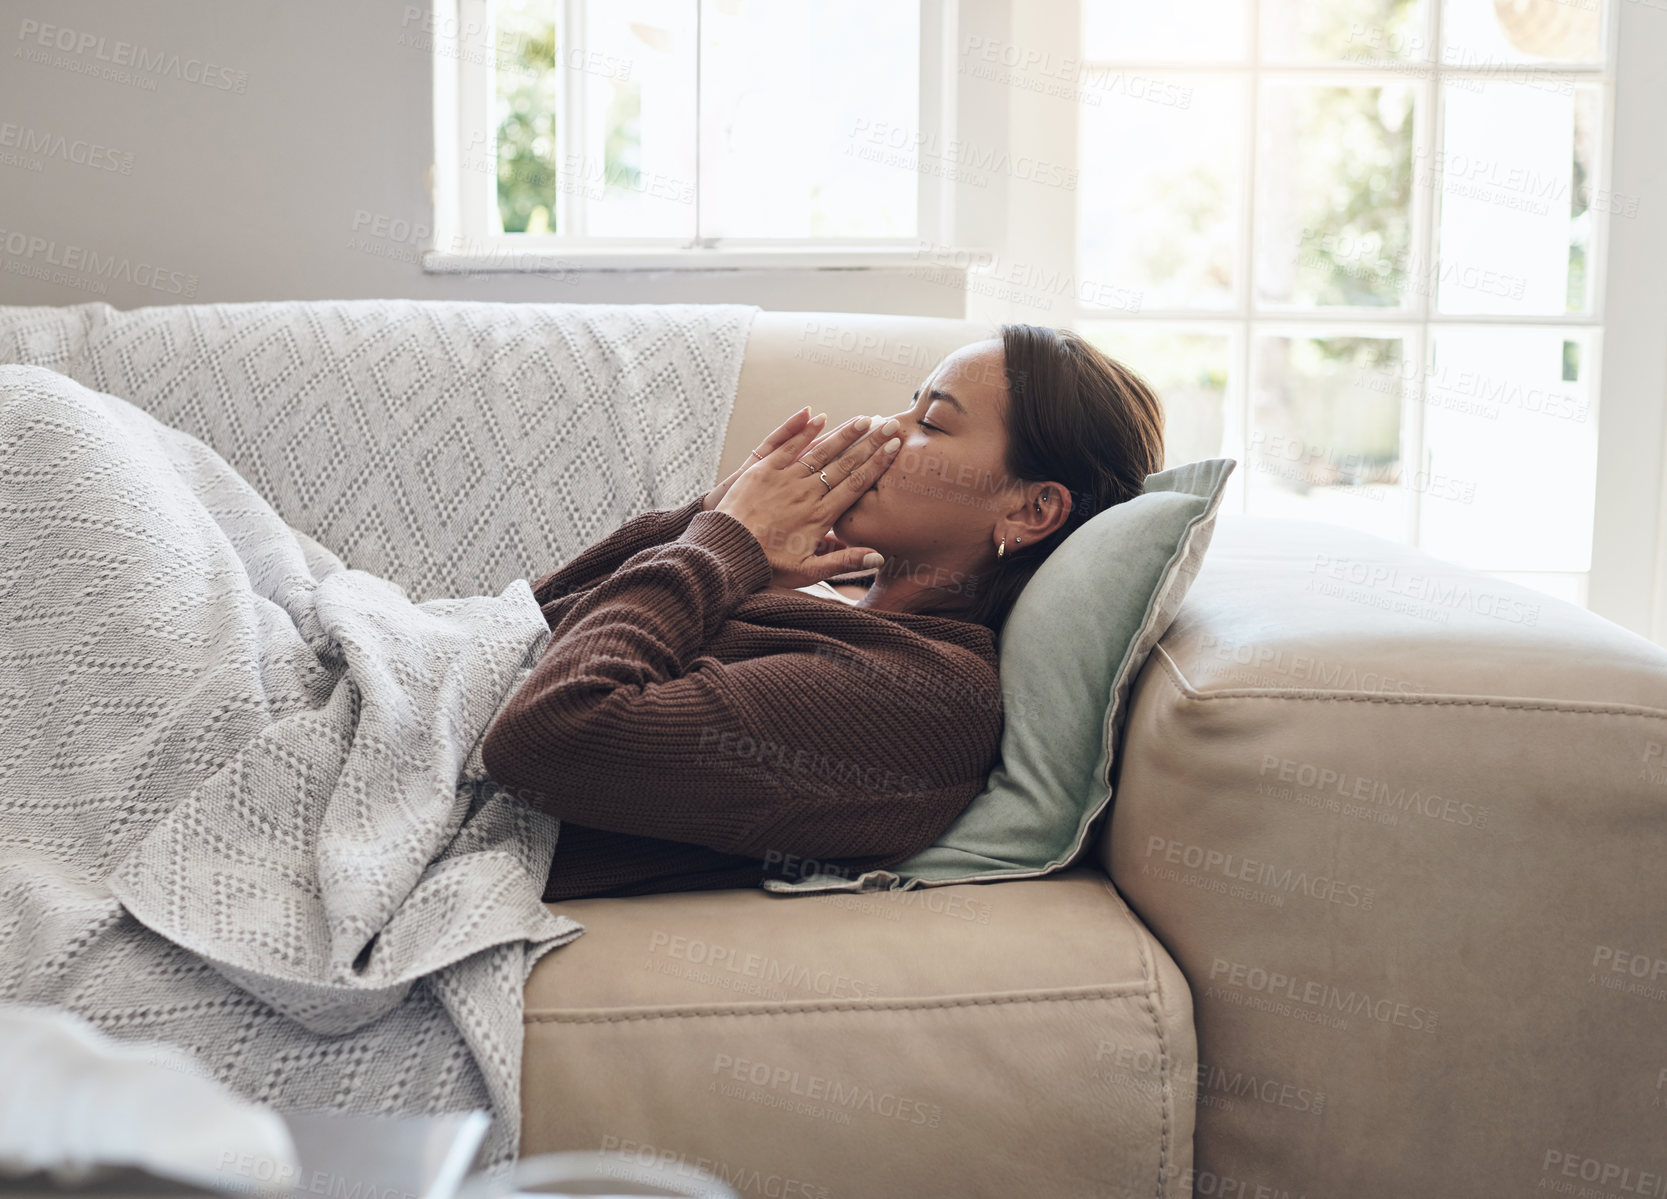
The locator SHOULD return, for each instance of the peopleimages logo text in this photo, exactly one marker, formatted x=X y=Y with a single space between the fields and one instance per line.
x=825 y=1088
x=1316 y=994
x=1365 y=789
x=112 y=267
x=130 y=54
x=1259 y=873
x=81 y=152
x=1427 y=589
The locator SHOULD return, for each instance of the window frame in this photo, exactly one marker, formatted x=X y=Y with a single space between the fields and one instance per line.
x=1628 y=582
x=463 y=198
x=1627 y=577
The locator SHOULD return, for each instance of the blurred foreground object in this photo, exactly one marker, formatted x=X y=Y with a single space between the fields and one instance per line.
x=74 y=1102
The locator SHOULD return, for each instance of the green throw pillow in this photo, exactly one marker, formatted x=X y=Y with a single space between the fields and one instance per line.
x=1076 y=639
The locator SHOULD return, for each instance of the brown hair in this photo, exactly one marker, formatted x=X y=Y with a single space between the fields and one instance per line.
x=1077 y=415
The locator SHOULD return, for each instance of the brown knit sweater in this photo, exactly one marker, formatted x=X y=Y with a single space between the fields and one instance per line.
x=693 y=730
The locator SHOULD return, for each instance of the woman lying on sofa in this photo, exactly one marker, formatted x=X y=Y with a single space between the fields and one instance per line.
x=710 y=711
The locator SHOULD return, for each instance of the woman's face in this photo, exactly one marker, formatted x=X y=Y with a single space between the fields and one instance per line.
x=934 y=512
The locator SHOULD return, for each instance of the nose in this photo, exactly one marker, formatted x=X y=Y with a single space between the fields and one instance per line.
x=905 y=412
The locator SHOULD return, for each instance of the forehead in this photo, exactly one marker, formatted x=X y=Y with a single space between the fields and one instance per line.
x=975 y=374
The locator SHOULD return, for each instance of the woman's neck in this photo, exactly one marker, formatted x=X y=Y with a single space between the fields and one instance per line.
x=902 y=593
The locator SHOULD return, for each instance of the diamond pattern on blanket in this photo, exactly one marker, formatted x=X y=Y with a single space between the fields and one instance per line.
x=216 y=759
x=246 y=812
x=448 y=446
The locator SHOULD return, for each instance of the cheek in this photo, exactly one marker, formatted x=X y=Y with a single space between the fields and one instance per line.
x=919 y=477
x=927 y=486
x=928 y=476
x=852 y=516
x=917 y=461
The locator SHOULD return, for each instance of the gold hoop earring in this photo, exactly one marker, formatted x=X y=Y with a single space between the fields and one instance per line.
x=1002 y=548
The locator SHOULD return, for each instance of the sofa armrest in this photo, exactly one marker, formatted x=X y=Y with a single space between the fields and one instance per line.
x=1403 y=827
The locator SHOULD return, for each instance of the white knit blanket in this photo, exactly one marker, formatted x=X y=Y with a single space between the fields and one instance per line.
x=244 y=810
x=449 y=446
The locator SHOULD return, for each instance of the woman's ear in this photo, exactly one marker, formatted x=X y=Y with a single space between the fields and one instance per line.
x=1040 y=509
x=1044 y=507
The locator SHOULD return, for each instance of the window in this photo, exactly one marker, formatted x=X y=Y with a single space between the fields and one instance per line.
x=660 y=132
x=1367 y=241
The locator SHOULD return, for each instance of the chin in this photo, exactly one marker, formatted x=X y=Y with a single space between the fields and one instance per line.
x=856 y=526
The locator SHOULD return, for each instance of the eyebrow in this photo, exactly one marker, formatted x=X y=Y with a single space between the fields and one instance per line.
x=935 y=394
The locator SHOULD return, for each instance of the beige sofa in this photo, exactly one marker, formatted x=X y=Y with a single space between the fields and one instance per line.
x=1377 y=910
x=1389 y=850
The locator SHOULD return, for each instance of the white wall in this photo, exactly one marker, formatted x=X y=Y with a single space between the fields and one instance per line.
x=276 y=191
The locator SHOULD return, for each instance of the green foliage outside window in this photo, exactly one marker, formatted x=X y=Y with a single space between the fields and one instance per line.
x=529 y=95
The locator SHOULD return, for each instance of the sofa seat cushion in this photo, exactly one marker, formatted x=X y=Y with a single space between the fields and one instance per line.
x=1402 y=825
x=1027 y=1037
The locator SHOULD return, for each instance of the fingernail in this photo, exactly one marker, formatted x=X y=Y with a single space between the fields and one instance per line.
x=890 y=426
x=891 y=446
x=862 y=423
x=872 y=559
x=819 y=418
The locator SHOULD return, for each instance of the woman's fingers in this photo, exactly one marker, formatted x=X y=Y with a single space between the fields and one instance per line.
x=790 y=446
x=858 y=449
x=766 y=447
x=846 y=444
x=793 y=424
x=846 y=560
x=843 y=434
x=863 y=473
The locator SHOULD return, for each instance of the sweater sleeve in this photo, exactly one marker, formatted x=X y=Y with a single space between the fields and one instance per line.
x=627 y=726
x=599 y=560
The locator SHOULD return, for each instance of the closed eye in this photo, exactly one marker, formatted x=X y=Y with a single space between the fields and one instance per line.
x=926 y=424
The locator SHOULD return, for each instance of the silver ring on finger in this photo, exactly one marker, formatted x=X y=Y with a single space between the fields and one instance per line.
x=823 y=475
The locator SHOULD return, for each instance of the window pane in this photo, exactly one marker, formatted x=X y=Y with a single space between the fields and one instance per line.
x=620 y=162
x=1333 y=195
x=1493 y=33
x=631 y=171
x=525 y=90
x=1189 y=373
x=1324 y=441
x=812 y=120
x=1349 y=30
x=1158 y=195
x=1510 y=436
x=1515 y=175
x=1199 y=31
